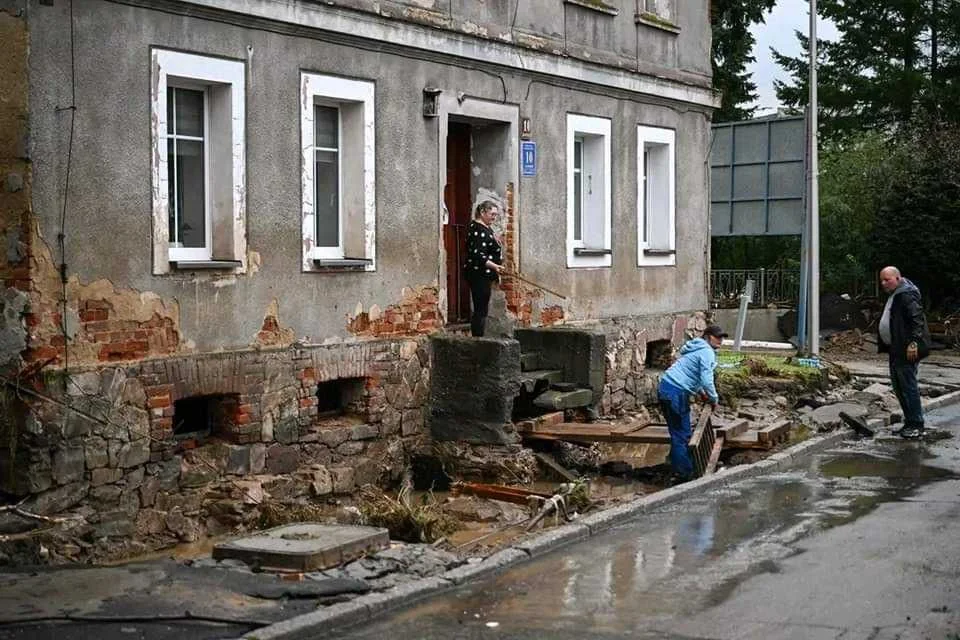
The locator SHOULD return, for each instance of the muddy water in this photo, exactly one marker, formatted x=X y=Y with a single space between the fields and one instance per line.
x=690 y=557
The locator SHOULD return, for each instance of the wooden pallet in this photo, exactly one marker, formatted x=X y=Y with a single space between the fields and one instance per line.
x=701 y=446
x=702 y=443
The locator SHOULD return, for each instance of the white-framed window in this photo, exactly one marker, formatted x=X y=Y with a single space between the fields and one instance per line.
x=656 y=197
x=588 y=192
x=339 y=189
x=198 y=162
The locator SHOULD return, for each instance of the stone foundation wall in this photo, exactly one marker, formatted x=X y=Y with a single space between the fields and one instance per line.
x=630 y=382
x=99 y=447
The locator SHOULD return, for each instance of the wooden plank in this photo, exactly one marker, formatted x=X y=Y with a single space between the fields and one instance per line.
x=702 y=422
x=714 y=456
x=630 y=427
x=773 y=432
x=748 y=440
x=579 y=432
x=730 y=428
x=552 y=464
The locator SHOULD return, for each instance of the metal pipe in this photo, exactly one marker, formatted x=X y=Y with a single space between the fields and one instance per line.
x=814 y=300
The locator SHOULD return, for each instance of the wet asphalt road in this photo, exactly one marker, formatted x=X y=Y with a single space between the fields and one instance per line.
x=862 y=542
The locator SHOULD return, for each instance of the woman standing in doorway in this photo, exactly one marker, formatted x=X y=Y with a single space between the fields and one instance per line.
x=483 y=265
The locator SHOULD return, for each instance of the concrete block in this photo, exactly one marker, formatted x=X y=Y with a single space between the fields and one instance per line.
x=472 y=387
x=304 y=547
x=558 y=400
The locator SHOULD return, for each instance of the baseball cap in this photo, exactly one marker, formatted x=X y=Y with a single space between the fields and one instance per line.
x=715 y=331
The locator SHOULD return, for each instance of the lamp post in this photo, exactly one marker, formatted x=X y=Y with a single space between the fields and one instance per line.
x=814 y=249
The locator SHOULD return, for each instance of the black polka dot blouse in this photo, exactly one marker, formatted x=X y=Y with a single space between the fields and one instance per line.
x=481 y=246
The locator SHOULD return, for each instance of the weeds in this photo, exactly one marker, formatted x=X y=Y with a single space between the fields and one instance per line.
x=406 y=521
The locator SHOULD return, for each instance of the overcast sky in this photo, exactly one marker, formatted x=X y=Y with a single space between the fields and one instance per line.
x=778 y=32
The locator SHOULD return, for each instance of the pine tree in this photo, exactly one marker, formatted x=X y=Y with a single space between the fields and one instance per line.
x=732 y=52
x=892 y=59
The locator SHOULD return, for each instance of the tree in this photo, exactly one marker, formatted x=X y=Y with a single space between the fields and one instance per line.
x=917 y=225
x=855 y=181
x=892 y=60
x=732 y=52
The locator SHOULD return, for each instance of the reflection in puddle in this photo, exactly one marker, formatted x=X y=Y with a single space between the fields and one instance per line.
x=693 y=555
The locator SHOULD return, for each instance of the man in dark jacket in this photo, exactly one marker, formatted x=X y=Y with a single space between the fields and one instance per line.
x=905 y=337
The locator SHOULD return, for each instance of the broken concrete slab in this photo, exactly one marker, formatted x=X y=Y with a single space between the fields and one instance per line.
x=827 y=417
x=553 y=400
x=878 y=389
x=304 y=547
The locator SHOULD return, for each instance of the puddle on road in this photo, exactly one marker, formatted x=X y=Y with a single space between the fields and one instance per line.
x=690 y=556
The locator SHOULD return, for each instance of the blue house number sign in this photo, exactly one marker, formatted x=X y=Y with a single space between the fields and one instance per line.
x=528 y=158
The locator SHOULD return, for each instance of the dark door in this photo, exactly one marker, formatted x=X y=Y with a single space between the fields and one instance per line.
x=458 y=199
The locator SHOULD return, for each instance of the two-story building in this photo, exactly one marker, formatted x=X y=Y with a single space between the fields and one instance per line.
x=241 y=219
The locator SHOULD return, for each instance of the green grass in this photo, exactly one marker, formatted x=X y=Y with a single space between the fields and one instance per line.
x=738 y=372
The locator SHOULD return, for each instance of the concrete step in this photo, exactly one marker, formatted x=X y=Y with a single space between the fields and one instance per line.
x=530 y=361
x=557 y=400
x=539 y=379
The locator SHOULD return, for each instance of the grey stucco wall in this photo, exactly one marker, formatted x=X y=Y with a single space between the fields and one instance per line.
x=108 y=229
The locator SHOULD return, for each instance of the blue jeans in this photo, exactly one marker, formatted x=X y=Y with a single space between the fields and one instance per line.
x=903 y=377
x=675 y=404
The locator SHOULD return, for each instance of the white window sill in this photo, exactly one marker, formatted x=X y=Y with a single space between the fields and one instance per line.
x=591 y=252
x=187 y=265
x=657 y=258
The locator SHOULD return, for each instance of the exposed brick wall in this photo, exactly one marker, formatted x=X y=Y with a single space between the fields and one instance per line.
x=417 y=314
x=116 y=465
x=520 y=296
x=552 y=315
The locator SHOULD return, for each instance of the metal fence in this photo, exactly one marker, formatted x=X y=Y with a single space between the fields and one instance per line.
x=770 y=285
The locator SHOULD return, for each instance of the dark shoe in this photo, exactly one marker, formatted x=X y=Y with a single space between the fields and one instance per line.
x=911 y=433
x=676 y=479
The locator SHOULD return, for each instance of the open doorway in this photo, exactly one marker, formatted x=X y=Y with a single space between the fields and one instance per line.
x=458 y=200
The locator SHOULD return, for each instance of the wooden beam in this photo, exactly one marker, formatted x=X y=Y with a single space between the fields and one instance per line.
x=578 y=432
x=496 y=492
x=547 y=460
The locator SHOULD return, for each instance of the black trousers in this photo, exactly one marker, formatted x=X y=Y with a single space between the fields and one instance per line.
x=480 y=297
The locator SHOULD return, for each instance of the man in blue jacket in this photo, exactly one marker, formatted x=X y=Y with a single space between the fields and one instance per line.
x=691 y=374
